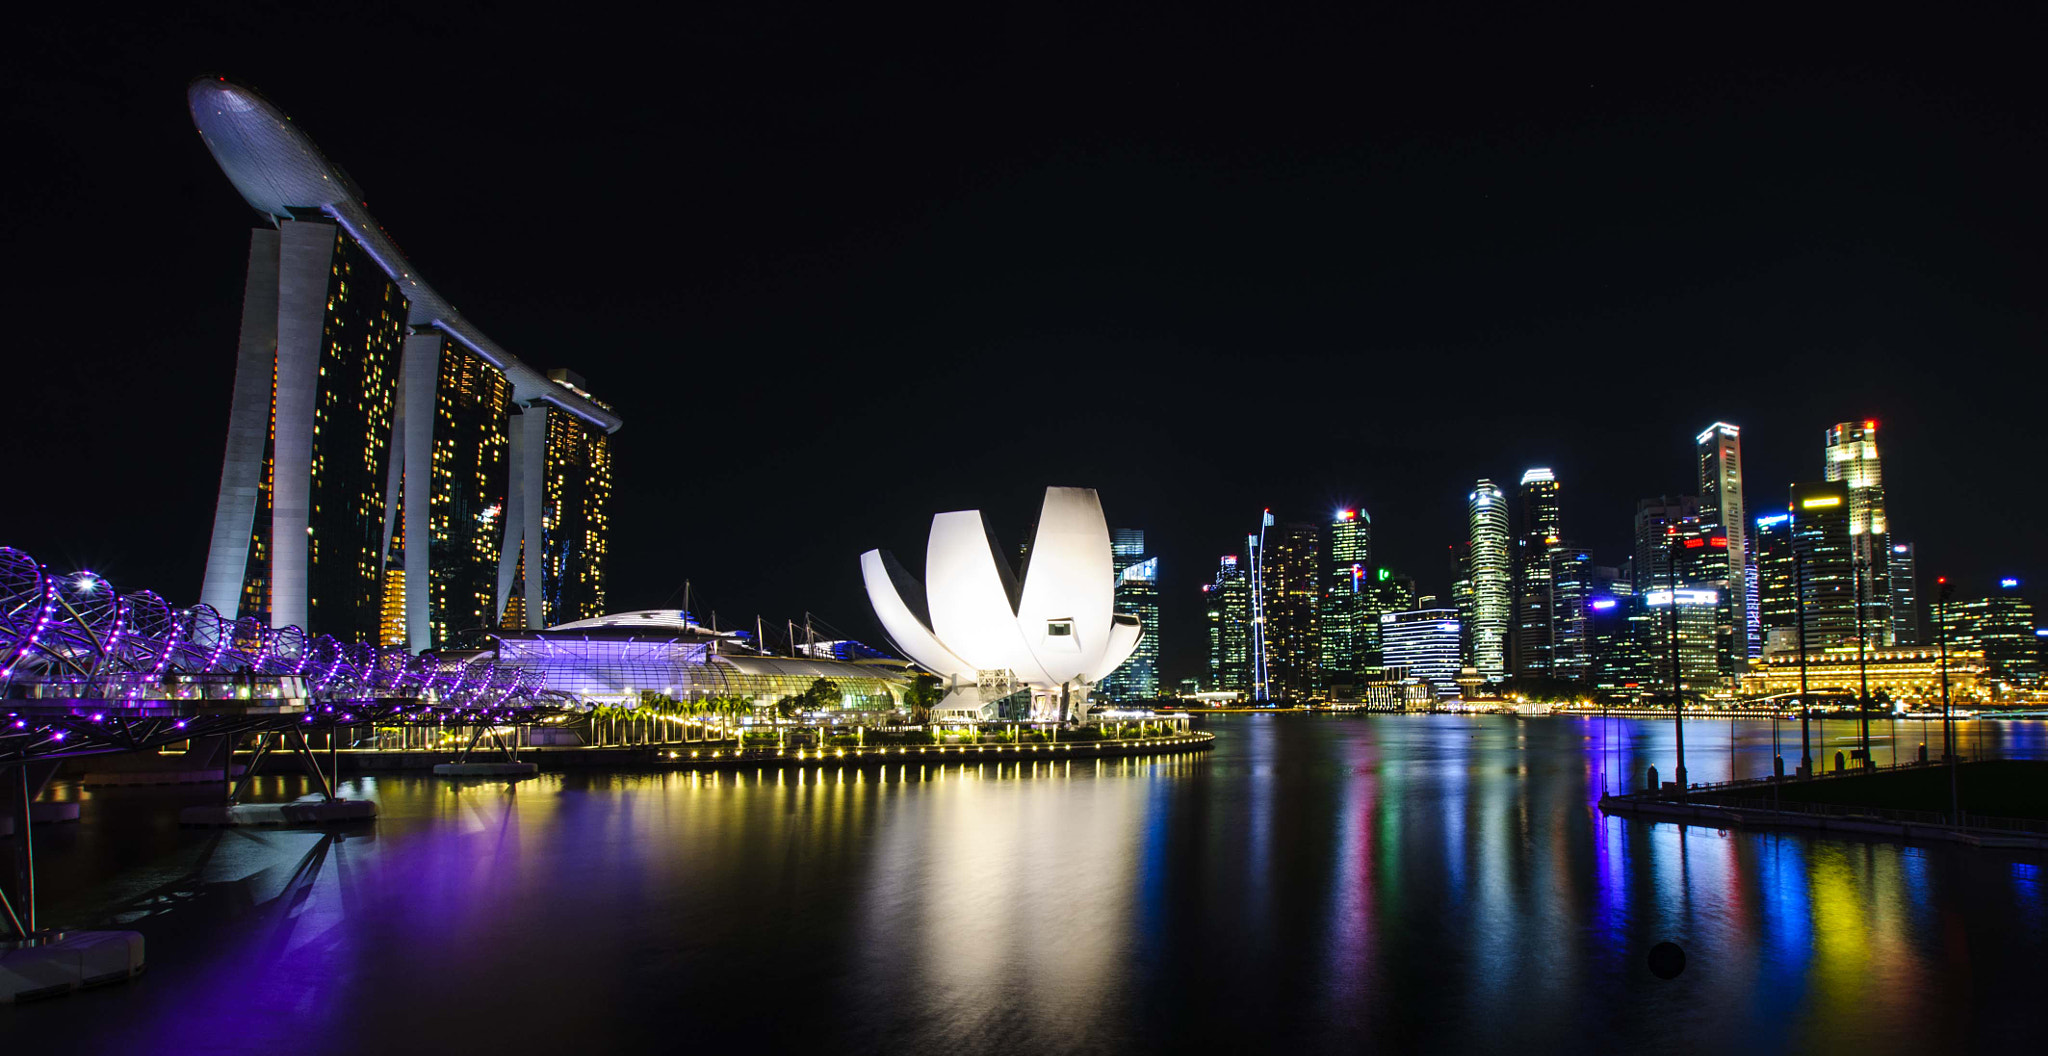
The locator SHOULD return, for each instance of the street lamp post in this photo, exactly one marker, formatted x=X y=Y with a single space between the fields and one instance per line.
x=1677 y=687
x=1862 y=654
x=1948 y=753
x=1799 y=606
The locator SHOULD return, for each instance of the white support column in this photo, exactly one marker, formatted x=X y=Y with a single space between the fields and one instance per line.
x=514 y=518
x=418 y=378
x=241 y=471
x=394 y=471
x=532 y=468
x=305 y=259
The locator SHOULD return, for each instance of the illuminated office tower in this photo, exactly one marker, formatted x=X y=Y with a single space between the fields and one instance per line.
x=1425 y=643
x=1137 y=594
x=1385 y=591
x=1347 y=574
x=1291 y=605
x=1654 y=517
x=1777 y=596
x=1719 y=447
x=1699 y=644
x=1492 y=577
x=1228 y=605
x=1533 y=638
x=353 y=380
x=1851 y=453
x=1699 y=556
x=2001 y=625
x=1622 y=629
x=1823 y=578
x=1572 y=583
x=1902 y=574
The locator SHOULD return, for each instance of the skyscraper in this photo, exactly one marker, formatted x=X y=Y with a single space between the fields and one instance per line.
x=1902 y=571
x=1347 y=573
x=1823 y=578
x=1228 y=607
x=1492 y=579
x=1724 y=516
x=1777 y=594
x=1698 y=633
x=1621 y=629
x=1572 y=583
x=1552 y=581
x=1851 y=456
x=1387 y=591
x=1290 y=605
x=2002 y=625
x=355 y=379
x=1654 y=517
x=1137 y=594
x=1425 y=643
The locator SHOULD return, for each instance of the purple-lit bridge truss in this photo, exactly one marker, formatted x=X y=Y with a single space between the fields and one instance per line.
x=86 y=670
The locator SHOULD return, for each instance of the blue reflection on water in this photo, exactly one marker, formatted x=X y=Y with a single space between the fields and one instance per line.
x=1327 y=884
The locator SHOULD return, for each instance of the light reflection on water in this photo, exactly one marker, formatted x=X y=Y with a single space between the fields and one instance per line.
x=1321 y=883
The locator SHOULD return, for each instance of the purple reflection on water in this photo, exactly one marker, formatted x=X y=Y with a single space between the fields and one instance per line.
x=1325 y=884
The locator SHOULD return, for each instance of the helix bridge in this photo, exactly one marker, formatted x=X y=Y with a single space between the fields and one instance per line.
x=86 y=669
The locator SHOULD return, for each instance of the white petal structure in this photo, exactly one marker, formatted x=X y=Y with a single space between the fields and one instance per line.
x=974 y=625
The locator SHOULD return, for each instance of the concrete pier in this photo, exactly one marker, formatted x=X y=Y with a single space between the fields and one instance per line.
x=61 y=963
x=499 y=769
x=306 y=810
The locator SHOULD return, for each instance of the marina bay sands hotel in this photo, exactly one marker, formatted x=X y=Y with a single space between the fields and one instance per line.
x=392 y=474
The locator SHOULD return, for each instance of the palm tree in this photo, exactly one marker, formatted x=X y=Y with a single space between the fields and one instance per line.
x=924 y=693
x=823 y=694
x=786 y=708
x=732 y=710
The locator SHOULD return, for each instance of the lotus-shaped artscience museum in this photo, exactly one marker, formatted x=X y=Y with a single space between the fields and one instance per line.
x=975 y=625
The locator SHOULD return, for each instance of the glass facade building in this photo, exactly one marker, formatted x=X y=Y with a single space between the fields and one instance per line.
x=1777 y=597
x=1699 y=645
x=1823 y=578
x=1227 y=603
x=1347 y=572
x=1424 y=643
x=1724 y=515
x=1492 y=577
x=2001 y=626
x=1851 y=459
x=611 y=665
x=1902 y=574
x=1654 y=519
x=1291 y=607
x=1539 y=536
x=1137 y=594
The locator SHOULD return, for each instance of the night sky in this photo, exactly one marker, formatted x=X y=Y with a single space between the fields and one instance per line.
x=838 y=274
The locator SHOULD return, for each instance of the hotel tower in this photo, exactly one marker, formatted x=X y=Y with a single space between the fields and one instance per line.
x=392 y=475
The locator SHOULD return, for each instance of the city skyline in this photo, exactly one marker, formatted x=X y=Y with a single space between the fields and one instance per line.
x=766 y=286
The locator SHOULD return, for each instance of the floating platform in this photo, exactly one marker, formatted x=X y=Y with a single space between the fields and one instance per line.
x=46 y=812
x=499 y=769
x=306 y=810
x=61 y=963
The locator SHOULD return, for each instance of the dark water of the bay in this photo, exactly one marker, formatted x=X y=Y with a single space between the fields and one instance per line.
x=1316 y=884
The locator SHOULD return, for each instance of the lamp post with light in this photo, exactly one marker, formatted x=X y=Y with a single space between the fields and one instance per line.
x=1948 y=752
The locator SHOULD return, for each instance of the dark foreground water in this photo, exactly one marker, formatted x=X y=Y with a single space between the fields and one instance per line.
x=1315 y=884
